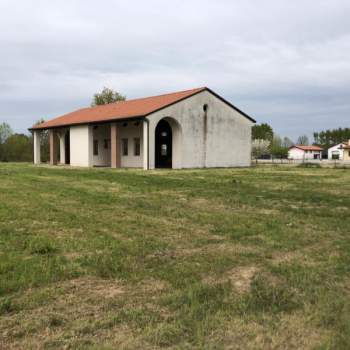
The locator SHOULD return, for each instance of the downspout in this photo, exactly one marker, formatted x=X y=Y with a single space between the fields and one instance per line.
x=205 y=135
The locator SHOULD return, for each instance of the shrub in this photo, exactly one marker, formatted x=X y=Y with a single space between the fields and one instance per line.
x=309 y=165
x=41 y=245
x=7 y=306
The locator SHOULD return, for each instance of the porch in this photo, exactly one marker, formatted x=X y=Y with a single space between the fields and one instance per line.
x=116 y=145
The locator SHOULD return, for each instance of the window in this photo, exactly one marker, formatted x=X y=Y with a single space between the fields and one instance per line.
x=106 y=143
x=95 y=147
x=125 y=147
x=205 y=107
x=136 y=146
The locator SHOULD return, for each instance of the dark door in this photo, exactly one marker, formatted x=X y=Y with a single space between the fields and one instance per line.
x=67 y=147
x=163 y=145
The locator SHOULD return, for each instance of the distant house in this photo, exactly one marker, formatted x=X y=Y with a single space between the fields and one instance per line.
x=187 y=129
x=300 y=152
x=340 y=151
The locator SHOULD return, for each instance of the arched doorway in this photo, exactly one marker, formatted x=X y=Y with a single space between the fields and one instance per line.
x=163 y=145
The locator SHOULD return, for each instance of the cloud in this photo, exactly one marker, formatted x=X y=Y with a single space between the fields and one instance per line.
x=284 y=62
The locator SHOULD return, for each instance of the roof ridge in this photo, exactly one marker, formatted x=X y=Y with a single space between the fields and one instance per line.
x=148 y=97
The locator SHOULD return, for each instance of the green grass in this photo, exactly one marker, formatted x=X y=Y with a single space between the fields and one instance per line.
x=208 y=259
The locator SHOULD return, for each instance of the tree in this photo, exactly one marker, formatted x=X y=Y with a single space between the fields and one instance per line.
x=287 y=142
x=262 y=132
x=328 y=138
x=303 y=140
x=107 y=96
x=278 y=150
x=260 y=147
x=18 y=148
x=5 y=133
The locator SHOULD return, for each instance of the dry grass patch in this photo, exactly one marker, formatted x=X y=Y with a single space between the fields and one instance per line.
x=241 y=277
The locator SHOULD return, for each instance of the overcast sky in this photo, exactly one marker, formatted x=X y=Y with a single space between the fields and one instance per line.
x=283 y=62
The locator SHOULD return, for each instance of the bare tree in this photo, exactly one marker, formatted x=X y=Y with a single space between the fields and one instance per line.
x=303 y=140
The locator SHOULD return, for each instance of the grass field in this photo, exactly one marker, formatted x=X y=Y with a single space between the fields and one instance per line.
x=207 y=259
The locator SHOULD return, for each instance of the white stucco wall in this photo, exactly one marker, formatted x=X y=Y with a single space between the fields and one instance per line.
x=296 y=153
x=81 y=145
x=228 y=137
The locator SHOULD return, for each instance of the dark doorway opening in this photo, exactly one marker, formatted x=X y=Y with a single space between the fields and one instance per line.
x=67 y=147
x=163 y=149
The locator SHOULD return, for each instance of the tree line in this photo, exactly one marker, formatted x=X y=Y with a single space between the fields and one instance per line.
x=16 y=147
x=266 y=144
x=329 y=138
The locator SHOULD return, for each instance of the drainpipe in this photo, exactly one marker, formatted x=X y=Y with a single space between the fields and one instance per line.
x=205 y=134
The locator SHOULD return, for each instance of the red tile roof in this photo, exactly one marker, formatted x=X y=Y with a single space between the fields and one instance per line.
x=137 y=108
x=308 y=148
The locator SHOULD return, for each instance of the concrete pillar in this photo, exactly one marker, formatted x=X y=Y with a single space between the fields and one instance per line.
x=151 y=143
x=53 y=147
x=145 y=145
x=36 y=144
x=115 y=146
x=63 y=147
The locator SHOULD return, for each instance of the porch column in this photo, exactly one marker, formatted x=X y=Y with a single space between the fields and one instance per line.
x=63 y=147
x=115 y=146
x=36 y=145
x=145 y=145
x=53 y=147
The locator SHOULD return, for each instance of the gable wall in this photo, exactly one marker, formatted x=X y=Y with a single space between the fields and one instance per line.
x=337 y=150
x=226 y=142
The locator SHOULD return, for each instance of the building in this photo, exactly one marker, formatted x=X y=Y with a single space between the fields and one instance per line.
x=340 y=151
x=187 y=129
x=300 y=152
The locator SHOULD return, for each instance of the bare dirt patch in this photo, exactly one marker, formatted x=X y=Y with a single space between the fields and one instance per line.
x=241 y=277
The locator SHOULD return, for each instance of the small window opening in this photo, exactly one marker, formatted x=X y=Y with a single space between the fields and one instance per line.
x=106 y=143
x=95 y=147
x=137 y=147
x=205 y=107
x=125 y=147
